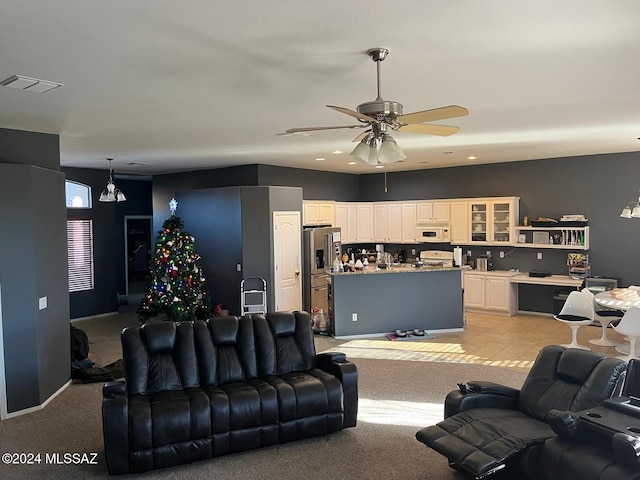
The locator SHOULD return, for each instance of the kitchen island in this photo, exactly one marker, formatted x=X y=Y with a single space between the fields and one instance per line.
x=375 y=302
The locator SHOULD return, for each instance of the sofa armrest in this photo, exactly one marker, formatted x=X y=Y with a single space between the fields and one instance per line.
x=564 y=424
x=626 y=448
x=115 y=426
x=480 y=395
x=113 y=389
x=336 y=364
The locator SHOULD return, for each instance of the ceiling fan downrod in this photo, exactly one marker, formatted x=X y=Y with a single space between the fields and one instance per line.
x=378 y=55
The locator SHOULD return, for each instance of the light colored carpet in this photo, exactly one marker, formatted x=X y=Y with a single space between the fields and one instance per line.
x=400 y=392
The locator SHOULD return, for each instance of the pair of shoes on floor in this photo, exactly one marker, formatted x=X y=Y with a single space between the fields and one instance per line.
x=416 y=332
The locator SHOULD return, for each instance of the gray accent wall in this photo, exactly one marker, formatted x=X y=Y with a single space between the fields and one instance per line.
x=33 y=264
x=597 y=186
x=234 y=225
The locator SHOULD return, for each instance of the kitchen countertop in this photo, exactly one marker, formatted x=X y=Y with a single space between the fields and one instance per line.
x=406 y=268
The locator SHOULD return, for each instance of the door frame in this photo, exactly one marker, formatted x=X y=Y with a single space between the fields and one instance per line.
x=126 y=244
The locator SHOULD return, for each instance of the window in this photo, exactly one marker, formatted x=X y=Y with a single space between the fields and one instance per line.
x=78 y=194
x=80 y=254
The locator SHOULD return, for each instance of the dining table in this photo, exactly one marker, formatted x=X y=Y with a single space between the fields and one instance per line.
x=621 y=299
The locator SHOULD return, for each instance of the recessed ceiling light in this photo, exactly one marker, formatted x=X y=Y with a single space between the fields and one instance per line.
x=379 y=166
x=320 y=159
x=337 y=152
x=352 y=163
x=471 y=157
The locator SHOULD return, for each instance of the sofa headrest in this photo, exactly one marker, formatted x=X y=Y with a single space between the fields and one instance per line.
x=576 y=365
x=159 y=337
x=224 y=330
x=283 y=324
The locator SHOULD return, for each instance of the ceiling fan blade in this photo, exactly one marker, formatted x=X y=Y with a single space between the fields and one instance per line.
x=441 y=130
x=353 y=113
x=363 y=135
x=311 y=129
x=434 y=114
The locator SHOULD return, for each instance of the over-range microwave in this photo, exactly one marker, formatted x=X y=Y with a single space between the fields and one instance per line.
x=433 y=234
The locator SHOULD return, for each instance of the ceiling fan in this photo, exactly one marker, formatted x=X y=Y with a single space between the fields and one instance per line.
x=380 y=116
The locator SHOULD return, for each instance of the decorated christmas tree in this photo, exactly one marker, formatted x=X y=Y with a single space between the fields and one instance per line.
x=177 y=287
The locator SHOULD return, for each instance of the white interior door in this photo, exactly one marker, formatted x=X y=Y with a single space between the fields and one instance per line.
x=287 y=261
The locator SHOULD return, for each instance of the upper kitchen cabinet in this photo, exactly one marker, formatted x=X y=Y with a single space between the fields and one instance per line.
x=316 y=213
x=459 y=222
x=493 y=220
x=394 y=222
x=436 y=212
x=356 y=221
x=364 y=223
x=345 y=213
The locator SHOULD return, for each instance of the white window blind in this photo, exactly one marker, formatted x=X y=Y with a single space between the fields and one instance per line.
x=80 y=254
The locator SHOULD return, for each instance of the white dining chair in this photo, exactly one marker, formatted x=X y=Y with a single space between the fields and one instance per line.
x=604 y=318
x=630 y=326
x=577 y=311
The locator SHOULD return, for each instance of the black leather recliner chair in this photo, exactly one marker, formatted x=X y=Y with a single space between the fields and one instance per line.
x=197 y=390
x=487 y=427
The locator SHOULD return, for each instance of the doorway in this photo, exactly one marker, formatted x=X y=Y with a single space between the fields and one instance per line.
x=137 y=245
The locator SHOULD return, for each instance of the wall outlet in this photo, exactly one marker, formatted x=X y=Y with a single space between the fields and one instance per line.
x=413 y=252
x=488 y=252
x=238 y=267
x=468 y=253
x=354 y=317
x=501 y=254
x=539 y=256
x=42 y=303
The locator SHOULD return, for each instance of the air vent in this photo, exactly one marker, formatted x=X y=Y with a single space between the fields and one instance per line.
x=32 y=84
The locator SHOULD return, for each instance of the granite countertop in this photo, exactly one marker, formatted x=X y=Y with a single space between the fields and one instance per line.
x=406 y=268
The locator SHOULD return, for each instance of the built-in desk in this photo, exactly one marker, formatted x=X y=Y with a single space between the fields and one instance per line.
x=500 y=291
x=542 y=289
x=557 y=280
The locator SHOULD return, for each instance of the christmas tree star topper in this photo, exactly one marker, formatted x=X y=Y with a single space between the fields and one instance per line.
x=173 y=206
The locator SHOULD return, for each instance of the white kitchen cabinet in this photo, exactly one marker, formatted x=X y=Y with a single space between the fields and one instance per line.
x=492 y=221
x=409 y=227
x=394 y=222
x=342 y=221
x=459 y=222
x=428 y=212
x=490 y=291
x=380 y=218
x=318 y=213
x=364 y=222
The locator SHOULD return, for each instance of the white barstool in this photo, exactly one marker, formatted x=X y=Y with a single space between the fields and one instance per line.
x=577 y=311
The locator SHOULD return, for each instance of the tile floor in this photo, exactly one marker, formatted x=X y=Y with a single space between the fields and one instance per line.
x=487 y=339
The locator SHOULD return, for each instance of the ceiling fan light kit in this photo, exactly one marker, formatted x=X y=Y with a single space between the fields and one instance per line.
x=376 y=145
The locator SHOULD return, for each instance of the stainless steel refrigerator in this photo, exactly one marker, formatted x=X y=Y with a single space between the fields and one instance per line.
x=321 y=246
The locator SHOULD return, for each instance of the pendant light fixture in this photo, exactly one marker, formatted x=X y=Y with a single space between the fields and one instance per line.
x=111 y=193
x=632 y=210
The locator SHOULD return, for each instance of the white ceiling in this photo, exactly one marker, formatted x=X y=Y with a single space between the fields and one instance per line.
x=198 y=84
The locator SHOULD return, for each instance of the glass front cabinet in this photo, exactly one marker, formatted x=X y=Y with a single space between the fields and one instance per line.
x=493 y=221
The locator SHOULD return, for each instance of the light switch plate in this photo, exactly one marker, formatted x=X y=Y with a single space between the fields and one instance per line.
x=539 y=256
x=42 y=303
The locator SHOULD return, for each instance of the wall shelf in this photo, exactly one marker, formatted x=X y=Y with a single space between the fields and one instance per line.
x=563 y=238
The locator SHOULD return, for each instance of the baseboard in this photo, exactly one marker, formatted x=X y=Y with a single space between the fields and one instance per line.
x=108 y=314
x=38 y=407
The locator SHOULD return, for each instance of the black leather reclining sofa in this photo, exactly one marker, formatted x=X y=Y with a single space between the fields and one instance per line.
x=491 y=429
x=197 y=390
